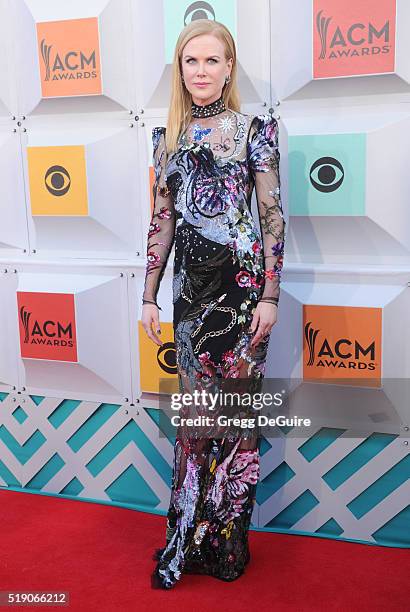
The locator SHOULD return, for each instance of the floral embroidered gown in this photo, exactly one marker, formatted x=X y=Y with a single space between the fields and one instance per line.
x=223 y=266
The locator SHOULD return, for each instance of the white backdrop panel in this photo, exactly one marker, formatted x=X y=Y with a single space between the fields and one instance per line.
x=13 y=217
x=116 y=74
x=102 y=370
x=111 y=229
x=8 y=345
x=7 y=62
x=164 y=298
x=155 y=33
x=381 y=231
x=293 y=47
x=334 y=405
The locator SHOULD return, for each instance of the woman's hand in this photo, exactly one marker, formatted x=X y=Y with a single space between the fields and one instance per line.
x=264 y=318
x=149 y=320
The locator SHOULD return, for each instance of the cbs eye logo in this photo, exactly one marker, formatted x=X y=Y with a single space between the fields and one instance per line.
x=166 y=357
x=199 y=10
x=57 y=180
x=326 y=174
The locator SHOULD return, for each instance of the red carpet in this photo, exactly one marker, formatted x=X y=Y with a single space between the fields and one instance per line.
x=102 y=556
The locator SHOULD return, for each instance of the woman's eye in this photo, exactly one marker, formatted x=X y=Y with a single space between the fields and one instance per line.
x=191 y=59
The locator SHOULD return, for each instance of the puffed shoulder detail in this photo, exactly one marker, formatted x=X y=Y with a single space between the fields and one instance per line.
x=262 y=120
x=157 y=130
x=263 y=143
x=158 y=135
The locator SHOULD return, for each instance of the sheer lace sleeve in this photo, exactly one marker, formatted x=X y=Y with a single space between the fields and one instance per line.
x=161 y=231
x=263 y=159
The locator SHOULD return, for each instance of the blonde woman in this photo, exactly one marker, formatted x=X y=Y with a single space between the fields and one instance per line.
x=226 y=285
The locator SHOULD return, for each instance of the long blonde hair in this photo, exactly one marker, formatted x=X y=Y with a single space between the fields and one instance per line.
x=179 y=114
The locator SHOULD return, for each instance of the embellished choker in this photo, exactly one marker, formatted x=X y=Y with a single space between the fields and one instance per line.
x=214 y=108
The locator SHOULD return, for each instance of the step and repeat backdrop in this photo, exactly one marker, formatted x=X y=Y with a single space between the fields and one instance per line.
x=82 y=84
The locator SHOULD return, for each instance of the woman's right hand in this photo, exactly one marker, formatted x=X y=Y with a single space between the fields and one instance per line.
x=150 y=321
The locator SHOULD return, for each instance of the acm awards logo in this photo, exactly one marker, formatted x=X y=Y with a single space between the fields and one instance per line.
x=344 y=353
x=72 y=65
x=344 y=41
x=46 y=333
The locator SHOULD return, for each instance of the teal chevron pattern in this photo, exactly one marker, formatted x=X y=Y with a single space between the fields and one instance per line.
x=329 y=485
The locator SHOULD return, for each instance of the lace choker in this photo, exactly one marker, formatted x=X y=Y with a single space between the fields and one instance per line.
x=214 y=108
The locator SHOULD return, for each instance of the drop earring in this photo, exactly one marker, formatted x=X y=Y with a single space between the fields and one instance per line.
x=227 y=79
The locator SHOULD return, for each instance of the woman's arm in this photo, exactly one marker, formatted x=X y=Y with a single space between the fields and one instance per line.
x=161 y=232
x=264 y=158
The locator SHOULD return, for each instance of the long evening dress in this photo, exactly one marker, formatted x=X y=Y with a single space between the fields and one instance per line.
x=223 y=266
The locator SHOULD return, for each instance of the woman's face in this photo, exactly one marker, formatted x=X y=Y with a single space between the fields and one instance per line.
x=205 y=68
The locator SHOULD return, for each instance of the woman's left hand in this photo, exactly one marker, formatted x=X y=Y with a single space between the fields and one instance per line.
x=264 y=318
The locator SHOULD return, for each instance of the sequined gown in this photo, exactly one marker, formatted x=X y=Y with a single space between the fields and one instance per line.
x=223 y=266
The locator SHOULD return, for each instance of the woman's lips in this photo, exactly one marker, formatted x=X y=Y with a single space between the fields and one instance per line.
x=201 y=84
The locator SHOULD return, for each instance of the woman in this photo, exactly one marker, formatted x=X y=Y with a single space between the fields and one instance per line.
x=225 y=292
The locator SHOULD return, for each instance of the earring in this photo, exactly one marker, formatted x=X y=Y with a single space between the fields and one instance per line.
x=228 y=79
x=182 y=78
